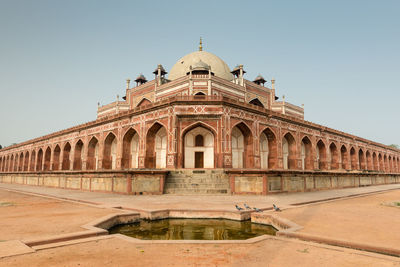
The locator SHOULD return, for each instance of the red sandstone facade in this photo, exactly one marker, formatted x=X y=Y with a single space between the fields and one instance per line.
x=250 y=131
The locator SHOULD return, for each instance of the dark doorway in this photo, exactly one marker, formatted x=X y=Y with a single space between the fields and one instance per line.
x=199 y=159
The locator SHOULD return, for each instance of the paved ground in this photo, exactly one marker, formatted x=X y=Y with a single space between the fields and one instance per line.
x=364 y=220
x=201 y=202
x=361 y=219
x=25 y=217
x=117 y=252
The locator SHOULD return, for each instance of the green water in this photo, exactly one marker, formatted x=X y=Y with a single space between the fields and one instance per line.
x=193 y=229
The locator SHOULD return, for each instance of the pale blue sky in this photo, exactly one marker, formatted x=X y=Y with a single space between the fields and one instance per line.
x=59 y=58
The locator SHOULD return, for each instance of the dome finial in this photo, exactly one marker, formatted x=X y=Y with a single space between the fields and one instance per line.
x=201 y=45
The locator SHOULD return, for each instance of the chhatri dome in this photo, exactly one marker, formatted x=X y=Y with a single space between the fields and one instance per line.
x=218 y=66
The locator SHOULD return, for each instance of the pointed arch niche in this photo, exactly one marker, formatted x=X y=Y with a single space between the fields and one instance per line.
x=156 y=147
x=110 y=152
x=242 y=146
x=92 y=160
x=268 y=150
x=289 y=151
x=130 y=150
x=306 y=156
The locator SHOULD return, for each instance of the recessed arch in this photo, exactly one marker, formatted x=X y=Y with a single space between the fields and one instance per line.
x=11 y=165
x=368 y=156
x=20 y=161
x=78 y=155
x=33 y=161
x=381 y=162
x=353 y=159
x=289 y=151
x=130 y=149
x=242 y=146
x=110 y=152
x=361 y=159
x=268 y=149
x=16 y=158
x=334 y=156
x=47 y=157
x=375 y=163
x=321 y=155
x=344 y=158
x=56 y=158
x=156 y=146
x=39 y=161
x=144 y=102
x=190 y=128
x=306 y=154
x=199 y=94
x=385 y=163
x=198 y=146
x=93 y=154
x=66 y=156
x=26 y=161
x=257 y=102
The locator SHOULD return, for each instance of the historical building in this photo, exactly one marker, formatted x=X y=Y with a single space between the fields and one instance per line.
x=203 y=128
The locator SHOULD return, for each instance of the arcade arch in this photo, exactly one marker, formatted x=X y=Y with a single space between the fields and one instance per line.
x=156 y=147
x=306 y=155
x=110 y=152
x=242 y=146
x=93 y=154
x=130 y=150
x=289 y=151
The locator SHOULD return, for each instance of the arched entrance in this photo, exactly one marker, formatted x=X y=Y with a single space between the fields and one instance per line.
x=130 y=150
x=242 y=147
x=199 y=148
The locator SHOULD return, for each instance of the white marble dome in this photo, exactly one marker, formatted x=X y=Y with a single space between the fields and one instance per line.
x=218 y=66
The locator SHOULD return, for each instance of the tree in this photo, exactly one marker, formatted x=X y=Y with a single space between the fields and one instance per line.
x=394 y=146
x=1 y=147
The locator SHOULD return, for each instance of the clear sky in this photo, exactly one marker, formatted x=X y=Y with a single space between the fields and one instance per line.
x=341 y=59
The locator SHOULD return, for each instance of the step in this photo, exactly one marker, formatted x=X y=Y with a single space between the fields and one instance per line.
x=198 y=191
x=185 y=186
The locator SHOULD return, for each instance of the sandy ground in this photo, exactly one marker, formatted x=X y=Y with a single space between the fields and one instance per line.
x=117 y=252
x=362 y=219
x=25 y=217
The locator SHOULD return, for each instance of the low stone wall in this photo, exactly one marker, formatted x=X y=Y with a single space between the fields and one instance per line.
x=123 y=182
x=266 y=182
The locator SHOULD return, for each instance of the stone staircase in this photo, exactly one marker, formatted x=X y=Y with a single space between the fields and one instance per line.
x=191 y=182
